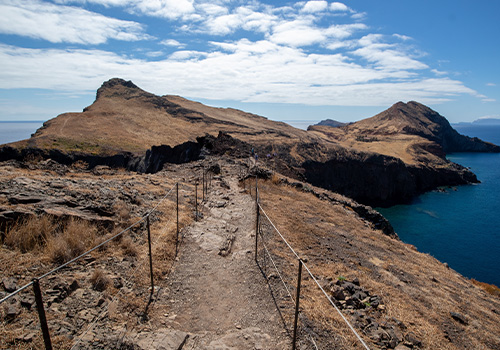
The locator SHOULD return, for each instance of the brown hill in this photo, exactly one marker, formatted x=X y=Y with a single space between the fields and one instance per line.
x=386 y=158
x=127 y=118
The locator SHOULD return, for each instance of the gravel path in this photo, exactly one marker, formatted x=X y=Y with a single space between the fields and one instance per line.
x=217 y=293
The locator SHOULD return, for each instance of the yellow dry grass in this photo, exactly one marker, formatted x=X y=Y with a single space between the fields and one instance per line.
x=415 y=288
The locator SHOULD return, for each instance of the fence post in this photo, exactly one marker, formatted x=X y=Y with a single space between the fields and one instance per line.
x=41 y=314
x=203 y=189
x=196 y=201
x=297 y=299
x=257 y=218
x=256 y=188
x=177 y=210
x=150 y=258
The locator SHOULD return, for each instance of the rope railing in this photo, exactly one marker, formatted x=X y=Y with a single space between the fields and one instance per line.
x=115 y=298
x=88 y=251
x=207 y=180
x=259 y=235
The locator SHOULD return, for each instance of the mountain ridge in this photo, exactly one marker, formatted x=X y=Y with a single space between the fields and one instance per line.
x=124 y=119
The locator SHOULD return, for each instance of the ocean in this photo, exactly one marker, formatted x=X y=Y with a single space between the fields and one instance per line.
x=462 y=225
x=16 y=131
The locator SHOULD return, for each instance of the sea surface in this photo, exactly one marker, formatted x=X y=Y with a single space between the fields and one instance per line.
x=16 y=131
x=461 y=226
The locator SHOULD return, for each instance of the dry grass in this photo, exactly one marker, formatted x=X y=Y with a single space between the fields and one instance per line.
x=49 y=238
x=489 y=288
x=275 y=179
x=128 y=246
x=414 y=287
x=30 y=234
x=122 y=211
x=80 y=165
x=77 y=237
x=99 y=280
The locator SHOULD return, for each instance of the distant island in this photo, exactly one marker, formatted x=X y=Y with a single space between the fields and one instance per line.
x=332 y=123
x=481 y=121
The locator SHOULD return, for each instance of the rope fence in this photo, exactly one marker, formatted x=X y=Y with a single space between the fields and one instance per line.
x=298 y=295
x=143 y=225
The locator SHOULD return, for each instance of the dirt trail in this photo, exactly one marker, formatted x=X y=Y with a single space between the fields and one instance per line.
x=216 y=292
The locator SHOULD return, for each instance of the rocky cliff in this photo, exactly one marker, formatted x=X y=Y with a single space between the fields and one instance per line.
x=384 y=159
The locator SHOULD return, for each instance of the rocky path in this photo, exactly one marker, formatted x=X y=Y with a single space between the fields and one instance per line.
x=216 y=292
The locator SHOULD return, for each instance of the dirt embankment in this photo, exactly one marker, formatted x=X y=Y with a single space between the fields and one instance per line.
x=215 y=297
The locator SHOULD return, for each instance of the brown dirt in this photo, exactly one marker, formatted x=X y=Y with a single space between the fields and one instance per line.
x=216 y=293
x=215 y=297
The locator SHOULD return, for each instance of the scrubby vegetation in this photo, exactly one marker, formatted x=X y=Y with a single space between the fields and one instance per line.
x=56 y=240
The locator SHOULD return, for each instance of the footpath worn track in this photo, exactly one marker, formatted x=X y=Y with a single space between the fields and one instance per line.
x=217 y=295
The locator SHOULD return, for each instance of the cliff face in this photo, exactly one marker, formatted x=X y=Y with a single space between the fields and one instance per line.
x=415 y=119
x=384 y=159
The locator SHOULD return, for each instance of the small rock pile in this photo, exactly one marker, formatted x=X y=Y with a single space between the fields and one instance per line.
x=367 y=314
x=350 y=295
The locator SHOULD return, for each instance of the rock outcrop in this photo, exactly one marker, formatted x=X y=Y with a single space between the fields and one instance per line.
x=380 y=160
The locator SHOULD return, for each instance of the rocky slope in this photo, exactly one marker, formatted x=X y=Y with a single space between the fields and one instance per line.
x=213 y=295
x=381 y=160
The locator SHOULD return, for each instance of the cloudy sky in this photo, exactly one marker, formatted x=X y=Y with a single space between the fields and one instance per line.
x=286 y=60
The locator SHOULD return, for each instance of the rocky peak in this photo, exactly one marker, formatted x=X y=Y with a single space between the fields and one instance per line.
x=332 y=123
x=414 y=118
x=119 y=87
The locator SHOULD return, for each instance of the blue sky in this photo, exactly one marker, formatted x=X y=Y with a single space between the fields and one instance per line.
x=286 y=60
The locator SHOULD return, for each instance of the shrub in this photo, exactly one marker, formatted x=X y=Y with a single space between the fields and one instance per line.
x=129 y=247
x=30 y=234
x=78 y=235
x=99 y=280
x=122 y=211
x=488 y=288
x=275 y=179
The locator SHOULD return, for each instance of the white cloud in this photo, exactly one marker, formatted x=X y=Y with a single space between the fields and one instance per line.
x=212 y=9
x=297 y=33
x=279 y=65
x=58 y=24
x=402 y=37
x=225 y=24
x=315 y=6
x=491 y=84
x=342 y=31
x=171 y=42
x=359 y=16
x=249 y=71
x=338 y=6
x=386 y=56
x=438 y=72
x=171 y=9
x=164 y=8
x=154 y=54
x=186 y=55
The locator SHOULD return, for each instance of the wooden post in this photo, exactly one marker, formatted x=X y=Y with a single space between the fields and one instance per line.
x=297 y=299
x=257 y=218
x=256 y=188
x=196 y=201
x=177 y=210
x=150 y=258
x=41 y=314
x=203 y=190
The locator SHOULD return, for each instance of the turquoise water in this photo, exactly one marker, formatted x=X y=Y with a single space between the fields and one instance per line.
x=462 y=225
